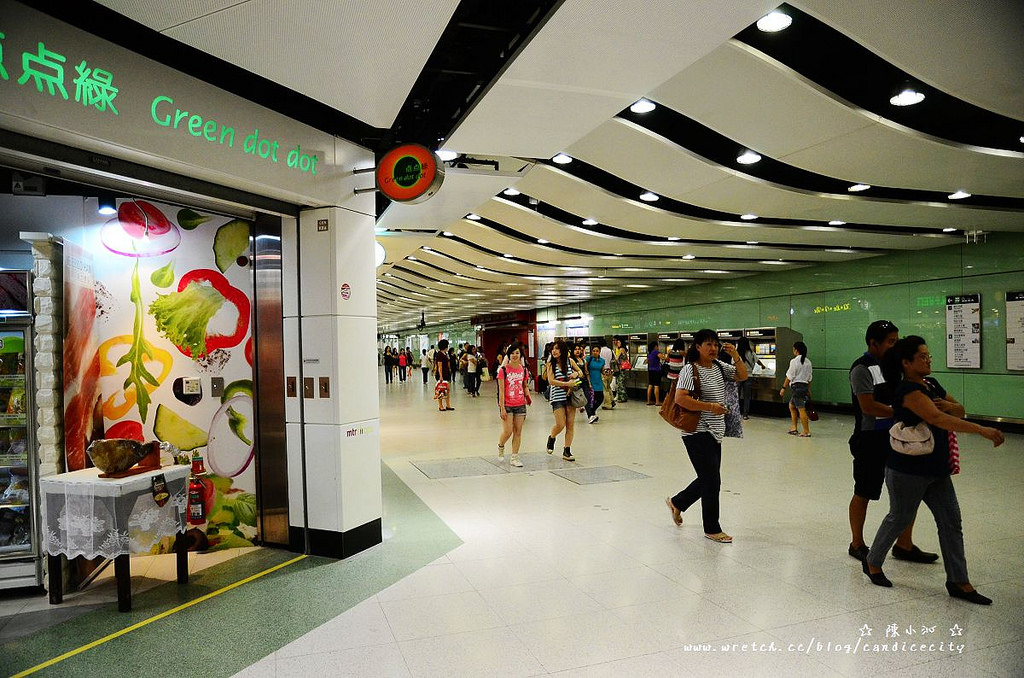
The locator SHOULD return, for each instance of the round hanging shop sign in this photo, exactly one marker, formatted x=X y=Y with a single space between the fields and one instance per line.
x=409 y=173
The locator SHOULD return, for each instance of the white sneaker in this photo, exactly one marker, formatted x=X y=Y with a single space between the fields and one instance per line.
x=501 y=452
x=592 y=419
x=514 y=461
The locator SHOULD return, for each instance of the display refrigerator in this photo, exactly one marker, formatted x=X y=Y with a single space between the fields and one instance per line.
x=20 y=548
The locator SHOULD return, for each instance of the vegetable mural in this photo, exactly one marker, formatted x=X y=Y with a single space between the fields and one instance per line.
x=185 y=314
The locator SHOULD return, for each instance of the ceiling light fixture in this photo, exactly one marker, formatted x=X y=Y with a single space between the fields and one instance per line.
x=752 y=242
x=638 y=286
x=590 y=222
x=959 y=195
x=907 y=97
x=510 y=191
x=542 y=241
x=447 y=234
x=748 y=217
x=836 y=222
x=647 y=196
x=107 y=204
x=643 y=106
x=687 y=257
x=507 y=255
x=473 y=217
x=748 y=158
x=774 y=21
x=561 y=159
x=445 y=155
x=857 y=188
x=948 y=229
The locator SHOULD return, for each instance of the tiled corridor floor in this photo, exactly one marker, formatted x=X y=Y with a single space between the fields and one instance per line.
x=559 y=578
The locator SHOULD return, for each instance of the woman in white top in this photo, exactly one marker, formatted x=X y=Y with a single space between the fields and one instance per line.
x=798 y=376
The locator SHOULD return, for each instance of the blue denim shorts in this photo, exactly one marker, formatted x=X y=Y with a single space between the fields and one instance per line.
x=519 y=410
x=799 y=395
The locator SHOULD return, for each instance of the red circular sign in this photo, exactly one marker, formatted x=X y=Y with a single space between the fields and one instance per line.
x=346 y=291
x=409 y=173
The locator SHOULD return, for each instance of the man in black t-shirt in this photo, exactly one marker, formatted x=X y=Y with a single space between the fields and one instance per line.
x=869 y=443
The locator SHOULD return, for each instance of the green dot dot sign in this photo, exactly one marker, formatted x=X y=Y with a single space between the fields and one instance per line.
x=410 y=173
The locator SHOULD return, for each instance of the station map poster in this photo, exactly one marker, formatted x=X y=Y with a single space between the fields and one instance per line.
x=1015 y=330
x=963 y=331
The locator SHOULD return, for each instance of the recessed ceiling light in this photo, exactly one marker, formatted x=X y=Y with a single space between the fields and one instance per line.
x=507 y=255
x=857 y=188
x=542 y=241
x=638 y=286
x=948 y=229
x=647 y=196
x=836 y=222
x=748 y=158
x=780 y=262
x=674 y=238
x=643 y=106
x=774 y=21
x=748 y=217
x=446 y=155
x=634 y=270
x=562 y=159
x=907 y=97
x=752 y=242
x=959 y=195
x=677 y=279
x=412 y=258
x=687 y=257
x=426 y=249
x=1022 y=139
x=473 y=217
x=711 y=270
x=590 y=222
x=510 y=191
x=447 y=234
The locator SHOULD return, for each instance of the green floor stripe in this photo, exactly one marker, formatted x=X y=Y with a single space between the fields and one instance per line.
x=221 y=636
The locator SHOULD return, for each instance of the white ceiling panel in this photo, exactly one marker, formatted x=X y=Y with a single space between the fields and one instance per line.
x=968 y=48
x=592 y=59
x=764 y=106
x=163 y=15
x=358 y=56
x=572 y=195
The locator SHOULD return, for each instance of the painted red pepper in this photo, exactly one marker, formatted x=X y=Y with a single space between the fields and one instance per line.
x=232 y=295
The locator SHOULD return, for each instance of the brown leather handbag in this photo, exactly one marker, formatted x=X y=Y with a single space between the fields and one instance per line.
x=677 y=415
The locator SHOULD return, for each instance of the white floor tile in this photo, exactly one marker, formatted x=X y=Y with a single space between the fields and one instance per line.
x=377 y=661
x=487 y=652
x=426 y=617
x=360 y=626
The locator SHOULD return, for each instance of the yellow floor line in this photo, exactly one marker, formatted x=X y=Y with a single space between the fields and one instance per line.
x=152 y=619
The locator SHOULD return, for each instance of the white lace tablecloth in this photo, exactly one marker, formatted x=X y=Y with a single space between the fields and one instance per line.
x=85 y=515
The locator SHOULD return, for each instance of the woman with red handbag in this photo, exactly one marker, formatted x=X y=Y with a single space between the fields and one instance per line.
x=704 y=445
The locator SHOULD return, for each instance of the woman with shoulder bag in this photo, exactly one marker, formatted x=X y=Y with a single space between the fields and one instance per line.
x=924 y=477
x=513 y=397
x=562 y=378
x=704 y=445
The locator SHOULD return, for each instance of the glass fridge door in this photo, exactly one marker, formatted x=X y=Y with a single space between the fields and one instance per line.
x=16 y=478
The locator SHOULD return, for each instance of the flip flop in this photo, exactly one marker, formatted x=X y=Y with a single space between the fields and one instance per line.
x=720 y=538
x=677 y=517
x=804 y=435
x=794 y=432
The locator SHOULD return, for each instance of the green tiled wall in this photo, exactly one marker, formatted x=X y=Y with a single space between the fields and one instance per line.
x=908 y=288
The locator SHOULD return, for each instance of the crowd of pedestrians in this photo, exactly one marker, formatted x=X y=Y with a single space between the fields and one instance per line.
x=904 y=437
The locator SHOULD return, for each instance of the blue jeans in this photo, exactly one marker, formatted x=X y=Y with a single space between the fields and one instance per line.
x=906 y=492
x=706 y=456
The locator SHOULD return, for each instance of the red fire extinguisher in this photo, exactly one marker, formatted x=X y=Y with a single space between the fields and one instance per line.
x=196 y=506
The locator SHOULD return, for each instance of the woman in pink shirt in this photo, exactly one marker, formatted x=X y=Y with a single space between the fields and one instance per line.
x=513 y=397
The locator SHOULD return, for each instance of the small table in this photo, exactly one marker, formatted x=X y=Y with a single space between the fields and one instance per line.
x=85 y=515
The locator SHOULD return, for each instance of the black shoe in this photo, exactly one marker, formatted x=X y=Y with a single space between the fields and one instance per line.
x=860 y=553
x=972 y=597
x=914 y=555
x=878 y=579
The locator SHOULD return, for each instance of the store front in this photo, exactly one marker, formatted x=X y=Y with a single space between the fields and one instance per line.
x=188 y=253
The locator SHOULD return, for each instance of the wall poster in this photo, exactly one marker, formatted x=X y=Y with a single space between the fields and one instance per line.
x=157 y=305
x=1015 y=330
x=963 y=331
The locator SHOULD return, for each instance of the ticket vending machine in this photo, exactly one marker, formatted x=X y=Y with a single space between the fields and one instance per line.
x=331 y=401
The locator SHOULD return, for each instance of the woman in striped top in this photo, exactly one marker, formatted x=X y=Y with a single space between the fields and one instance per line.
x=562 y=376
x=704 y=446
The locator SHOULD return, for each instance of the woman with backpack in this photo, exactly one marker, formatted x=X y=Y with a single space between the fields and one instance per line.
x=513 y=397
